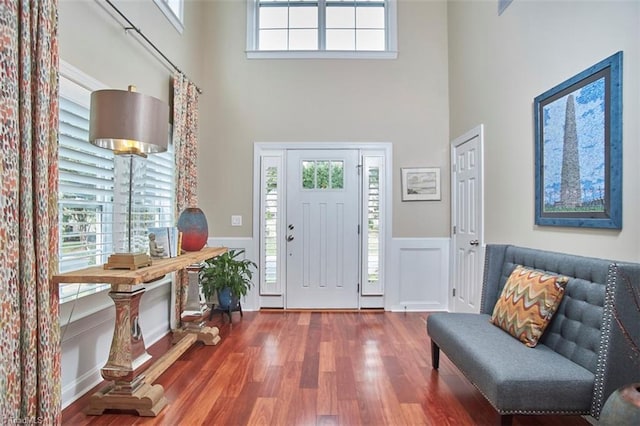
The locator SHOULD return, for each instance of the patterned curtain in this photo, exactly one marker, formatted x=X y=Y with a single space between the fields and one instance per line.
x=185 y=140
x=29 y=330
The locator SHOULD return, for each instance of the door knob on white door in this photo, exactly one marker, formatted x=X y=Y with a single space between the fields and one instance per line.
x=474 y=242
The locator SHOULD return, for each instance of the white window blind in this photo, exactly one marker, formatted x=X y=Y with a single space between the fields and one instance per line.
x=373 y=212
x=86 y=192
x=272 y=226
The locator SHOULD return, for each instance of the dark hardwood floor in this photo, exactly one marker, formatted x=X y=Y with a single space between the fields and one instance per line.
x=304 y=368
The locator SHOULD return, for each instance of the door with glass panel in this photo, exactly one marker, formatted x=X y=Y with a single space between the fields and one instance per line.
x=322 y=223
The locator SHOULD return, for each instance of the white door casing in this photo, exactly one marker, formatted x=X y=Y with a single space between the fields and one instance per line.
x=322 y=219
x=467 y=220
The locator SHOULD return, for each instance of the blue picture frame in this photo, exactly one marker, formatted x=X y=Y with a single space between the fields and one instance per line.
x=578 y=149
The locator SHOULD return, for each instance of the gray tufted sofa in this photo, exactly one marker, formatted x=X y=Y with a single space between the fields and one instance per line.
x=582 y=357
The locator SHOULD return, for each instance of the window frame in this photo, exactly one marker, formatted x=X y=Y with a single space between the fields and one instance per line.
x=379 y=154
x=177 y=20
x=373 y=159
x=391 y=30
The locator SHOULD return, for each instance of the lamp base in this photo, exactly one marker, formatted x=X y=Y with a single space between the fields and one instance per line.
x=129 y=261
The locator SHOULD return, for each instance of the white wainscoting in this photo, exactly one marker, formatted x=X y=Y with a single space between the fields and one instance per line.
x=418 y=274
x=86 y=337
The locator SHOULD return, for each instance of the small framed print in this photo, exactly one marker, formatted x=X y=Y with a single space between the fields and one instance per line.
x=420 y=184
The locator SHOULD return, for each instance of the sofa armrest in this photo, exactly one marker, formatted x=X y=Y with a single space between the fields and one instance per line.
x=619 y=357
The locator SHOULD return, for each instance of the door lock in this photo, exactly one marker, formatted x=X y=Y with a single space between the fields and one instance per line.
x=290 y=227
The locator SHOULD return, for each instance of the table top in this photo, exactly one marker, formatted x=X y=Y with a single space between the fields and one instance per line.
x=125 y=279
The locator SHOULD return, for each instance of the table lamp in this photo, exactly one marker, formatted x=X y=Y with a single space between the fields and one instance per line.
x=132 y=125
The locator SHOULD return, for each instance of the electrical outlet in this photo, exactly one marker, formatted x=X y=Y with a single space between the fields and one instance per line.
x=236 y=220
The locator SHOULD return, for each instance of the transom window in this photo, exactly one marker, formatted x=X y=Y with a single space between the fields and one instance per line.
x=321 y=28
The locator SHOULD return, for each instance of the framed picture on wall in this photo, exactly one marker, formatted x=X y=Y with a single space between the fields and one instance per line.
x=420 y=183
x=578 y=149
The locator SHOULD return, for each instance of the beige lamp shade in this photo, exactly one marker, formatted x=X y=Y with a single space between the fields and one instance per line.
x=128 y=122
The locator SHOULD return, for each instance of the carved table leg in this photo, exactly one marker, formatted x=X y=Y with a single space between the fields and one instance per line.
x=193 y=316
x=127 y=390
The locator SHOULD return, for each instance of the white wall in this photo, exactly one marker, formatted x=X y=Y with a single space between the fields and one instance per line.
x=498 y=64
x=402 y=101
x=418 y=275
x=93 y=41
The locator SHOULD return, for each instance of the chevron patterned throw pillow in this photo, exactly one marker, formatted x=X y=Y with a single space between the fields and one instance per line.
x=527 y=303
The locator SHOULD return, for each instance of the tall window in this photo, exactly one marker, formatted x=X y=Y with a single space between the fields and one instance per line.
x=86 y=189
x=317 y=28
x=174 y=11
x=373 y=230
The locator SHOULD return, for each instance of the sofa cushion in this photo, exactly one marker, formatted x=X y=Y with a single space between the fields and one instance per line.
x=511 y=375
x=527 y=303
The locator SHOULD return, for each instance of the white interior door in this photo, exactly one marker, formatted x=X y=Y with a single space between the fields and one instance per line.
x=467 y=211
x=322 y=229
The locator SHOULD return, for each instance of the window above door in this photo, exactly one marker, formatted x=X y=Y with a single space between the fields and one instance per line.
x=359 y=29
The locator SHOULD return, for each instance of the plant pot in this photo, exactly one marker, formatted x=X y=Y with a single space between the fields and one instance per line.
x=622 y=407
x=226 y=300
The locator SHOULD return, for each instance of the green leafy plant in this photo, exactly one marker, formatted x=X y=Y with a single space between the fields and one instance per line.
x=225 y=271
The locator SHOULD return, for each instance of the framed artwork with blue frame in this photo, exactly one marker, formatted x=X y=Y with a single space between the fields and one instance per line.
x=578 y=149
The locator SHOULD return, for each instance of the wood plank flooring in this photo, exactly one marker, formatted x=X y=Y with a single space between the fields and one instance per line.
x=315 y=368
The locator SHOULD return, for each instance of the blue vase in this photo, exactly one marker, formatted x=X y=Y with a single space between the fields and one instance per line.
x=225 y=298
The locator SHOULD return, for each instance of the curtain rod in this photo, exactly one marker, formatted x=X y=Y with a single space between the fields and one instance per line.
x=149 y=42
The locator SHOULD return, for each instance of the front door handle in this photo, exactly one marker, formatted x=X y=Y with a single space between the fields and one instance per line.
x=474 y=242
x=290 y=238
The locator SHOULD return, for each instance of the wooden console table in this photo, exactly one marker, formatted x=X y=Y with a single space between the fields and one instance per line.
x=129 y=389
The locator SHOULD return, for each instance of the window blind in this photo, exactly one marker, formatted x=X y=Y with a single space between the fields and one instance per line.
x=86 y=192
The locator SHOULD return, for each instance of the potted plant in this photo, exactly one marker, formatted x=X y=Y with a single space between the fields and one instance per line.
x=228 y=277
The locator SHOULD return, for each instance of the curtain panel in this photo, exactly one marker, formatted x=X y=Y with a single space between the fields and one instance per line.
x=185 y=140
x=29 y=328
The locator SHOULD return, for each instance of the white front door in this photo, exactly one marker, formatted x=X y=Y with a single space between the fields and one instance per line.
x=322 y=229
x=467 y=214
